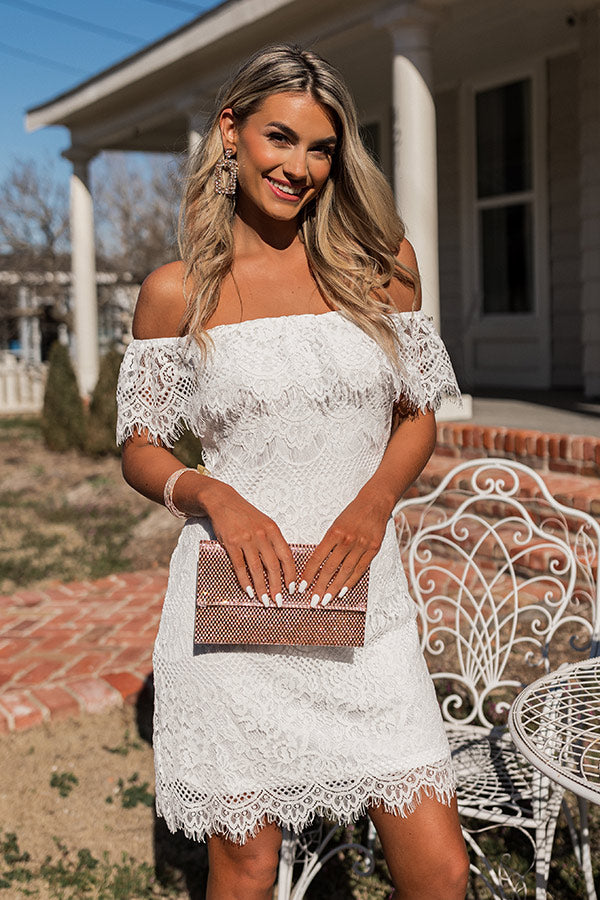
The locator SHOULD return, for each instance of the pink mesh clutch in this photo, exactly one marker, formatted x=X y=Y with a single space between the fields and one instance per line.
x=226 y=615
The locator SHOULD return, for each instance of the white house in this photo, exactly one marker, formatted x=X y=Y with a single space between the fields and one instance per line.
x=485 y=114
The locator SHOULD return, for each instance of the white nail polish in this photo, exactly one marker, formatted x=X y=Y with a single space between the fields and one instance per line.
x=314 y=600
x=343 y=592
x=265 y=599
x=250 y=592
x=278 y=599
x=302 y=587
x=291 y=587
x=326 y=599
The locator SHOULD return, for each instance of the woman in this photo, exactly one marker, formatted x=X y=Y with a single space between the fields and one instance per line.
x=285 y=340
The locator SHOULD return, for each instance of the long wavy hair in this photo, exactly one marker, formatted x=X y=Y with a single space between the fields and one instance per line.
x=351 y=230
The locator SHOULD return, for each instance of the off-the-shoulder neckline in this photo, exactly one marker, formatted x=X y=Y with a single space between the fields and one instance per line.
x=291 y=316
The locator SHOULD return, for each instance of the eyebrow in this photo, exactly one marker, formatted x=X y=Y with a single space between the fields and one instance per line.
x=294 y=136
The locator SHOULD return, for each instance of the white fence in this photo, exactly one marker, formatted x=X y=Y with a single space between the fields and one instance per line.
x=21 y=385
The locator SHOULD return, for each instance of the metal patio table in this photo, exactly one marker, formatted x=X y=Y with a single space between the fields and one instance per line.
x=555 y=723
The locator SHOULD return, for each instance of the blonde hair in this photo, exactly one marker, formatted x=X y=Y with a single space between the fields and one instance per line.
x=351 y=230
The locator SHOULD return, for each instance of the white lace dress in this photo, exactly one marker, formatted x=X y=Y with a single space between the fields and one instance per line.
x=294 y=412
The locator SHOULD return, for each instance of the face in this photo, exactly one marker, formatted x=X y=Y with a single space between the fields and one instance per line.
x=284 y=152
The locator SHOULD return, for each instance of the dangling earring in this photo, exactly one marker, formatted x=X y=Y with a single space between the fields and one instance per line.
x=226 y=171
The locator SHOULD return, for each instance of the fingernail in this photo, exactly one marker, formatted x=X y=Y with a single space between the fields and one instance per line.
x=314 y=600
x=343 y=592
x=278 y=599
x=265 y=599
x=326 y=599
x=302 y=587
x=291 y=587
x=250 y=592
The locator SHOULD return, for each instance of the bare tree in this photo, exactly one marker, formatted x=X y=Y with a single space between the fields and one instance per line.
x=34 y=214
x=136 y=203
x=136 y=219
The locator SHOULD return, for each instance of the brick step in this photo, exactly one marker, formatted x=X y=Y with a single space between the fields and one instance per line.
x=567 y=453
x=577 y=491
x=83 y=646
x=531 y=560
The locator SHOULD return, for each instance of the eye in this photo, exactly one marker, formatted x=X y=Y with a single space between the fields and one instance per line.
x=277 y=137
x=326 y=150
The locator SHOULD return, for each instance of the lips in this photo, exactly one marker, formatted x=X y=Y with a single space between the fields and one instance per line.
x=284 y=191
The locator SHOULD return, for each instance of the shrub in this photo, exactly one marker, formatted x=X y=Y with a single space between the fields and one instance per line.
x=188 y=449
x=102 y=419
x=63 y=417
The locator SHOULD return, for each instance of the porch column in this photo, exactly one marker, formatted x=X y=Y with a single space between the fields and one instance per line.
x=196 y=123
x=589 y=180
x=415 y=145
x=83 y=271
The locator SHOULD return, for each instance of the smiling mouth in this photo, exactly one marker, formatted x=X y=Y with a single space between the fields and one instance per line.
x=279 y=187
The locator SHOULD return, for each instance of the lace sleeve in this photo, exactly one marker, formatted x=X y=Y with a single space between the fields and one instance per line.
x=157 y=382
x=424 y=375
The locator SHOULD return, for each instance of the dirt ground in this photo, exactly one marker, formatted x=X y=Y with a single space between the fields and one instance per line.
x=37 y=813
x=88 y=785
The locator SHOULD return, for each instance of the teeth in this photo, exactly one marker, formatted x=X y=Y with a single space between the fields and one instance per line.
x=284 y=187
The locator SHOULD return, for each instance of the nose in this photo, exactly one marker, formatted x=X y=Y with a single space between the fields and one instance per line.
x=295 y=165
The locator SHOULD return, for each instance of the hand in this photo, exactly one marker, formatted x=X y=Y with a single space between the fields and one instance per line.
x=347 y=548
x=253 y=542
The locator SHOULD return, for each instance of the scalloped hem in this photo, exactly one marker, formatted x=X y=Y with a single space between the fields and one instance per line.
x=239 y=819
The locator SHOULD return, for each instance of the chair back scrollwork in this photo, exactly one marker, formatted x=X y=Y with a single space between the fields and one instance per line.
x=505 y=579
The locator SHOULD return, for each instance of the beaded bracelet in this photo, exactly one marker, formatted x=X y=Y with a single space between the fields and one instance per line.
x=170 y=485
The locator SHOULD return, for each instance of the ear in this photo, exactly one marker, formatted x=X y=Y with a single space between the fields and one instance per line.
x=228 y=129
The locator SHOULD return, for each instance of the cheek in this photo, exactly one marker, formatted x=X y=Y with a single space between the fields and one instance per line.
x=320 y=172
x=256 y=156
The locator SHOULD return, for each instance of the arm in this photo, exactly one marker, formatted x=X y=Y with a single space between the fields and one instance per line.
x=252 y=540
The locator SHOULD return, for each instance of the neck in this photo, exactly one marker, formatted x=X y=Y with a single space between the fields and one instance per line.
x=256 y=233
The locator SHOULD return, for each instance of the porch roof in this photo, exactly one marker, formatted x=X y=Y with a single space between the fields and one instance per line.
x=145 y=101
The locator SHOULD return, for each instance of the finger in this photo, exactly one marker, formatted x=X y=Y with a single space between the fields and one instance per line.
x=314 y=562
x=348 y=576
x=342 y=577
x=271 y=565
x=257 y=573
x=321 y=587
x=286 y=560
x=241 y=572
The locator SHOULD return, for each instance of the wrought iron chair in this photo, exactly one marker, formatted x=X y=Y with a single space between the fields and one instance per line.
x=505 y=580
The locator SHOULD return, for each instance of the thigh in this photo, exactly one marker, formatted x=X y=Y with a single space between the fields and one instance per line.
x=423 y=848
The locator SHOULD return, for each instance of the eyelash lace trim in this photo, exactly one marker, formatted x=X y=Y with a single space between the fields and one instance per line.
x=164 y=389
x=240 y=818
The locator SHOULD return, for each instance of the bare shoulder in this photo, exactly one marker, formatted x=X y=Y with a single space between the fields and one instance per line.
x=160 y=304
x=402 y=293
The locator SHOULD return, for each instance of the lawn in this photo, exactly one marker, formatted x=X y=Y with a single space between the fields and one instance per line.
x=70 y=517
x=76 y=797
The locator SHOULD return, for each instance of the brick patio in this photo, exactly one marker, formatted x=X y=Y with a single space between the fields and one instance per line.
x=87 y=646
x=83 y=646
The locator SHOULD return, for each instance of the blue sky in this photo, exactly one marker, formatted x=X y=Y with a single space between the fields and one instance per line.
x=76 y=54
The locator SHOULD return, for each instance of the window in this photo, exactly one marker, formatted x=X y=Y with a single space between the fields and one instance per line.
x=505 y=213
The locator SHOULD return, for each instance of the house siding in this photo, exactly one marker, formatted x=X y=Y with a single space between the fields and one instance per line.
x=564 y=221
x=451 y=304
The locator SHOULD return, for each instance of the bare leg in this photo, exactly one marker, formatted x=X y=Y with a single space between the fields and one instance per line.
x=243 y=871
x=425 y=852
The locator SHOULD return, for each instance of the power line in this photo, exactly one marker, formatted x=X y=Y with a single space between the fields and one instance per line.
x=180 y=4
x=36 y=58
x=75 y=21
